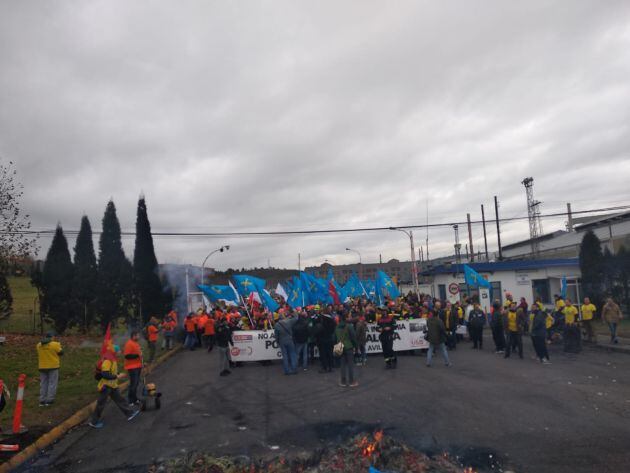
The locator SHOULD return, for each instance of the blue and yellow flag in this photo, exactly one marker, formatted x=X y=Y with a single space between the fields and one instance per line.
x=245 y=284
x=473 y=278
x=217 y=293
x=385 y=287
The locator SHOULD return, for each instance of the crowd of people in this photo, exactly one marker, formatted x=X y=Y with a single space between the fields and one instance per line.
x=339 y=332
x=335 y=336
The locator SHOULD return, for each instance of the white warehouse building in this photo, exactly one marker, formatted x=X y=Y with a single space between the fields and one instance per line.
x=524 y=278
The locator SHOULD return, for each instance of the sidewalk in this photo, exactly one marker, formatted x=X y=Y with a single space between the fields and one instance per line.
x=603 y=343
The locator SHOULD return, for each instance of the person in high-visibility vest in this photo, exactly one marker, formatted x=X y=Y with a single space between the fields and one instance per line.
x=588 y=310
x=168 y=326
x=190 y=326
x=48 y=353
x=132 y=353
x=108 y=377
x=153 y=330
x=208 y=333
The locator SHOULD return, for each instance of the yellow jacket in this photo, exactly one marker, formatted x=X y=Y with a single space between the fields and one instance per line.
x=48 y=355
x=108 y=368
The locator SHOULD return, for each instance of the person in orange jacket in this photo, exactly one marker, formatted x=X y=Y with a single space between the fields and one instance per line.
x=152 y=331
x=168 y=326
x=132 y=353
x=190 y=326
x=208 y=333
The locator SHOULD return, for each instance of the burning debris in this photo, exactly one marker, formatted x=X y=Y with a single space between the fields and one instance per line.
x=363 y=453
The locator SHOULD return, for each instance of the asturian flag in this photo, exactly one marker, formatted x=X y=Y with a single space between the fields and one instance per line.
x=473 y=278
x=385 y=287
x=217 y=293
x=245 y=284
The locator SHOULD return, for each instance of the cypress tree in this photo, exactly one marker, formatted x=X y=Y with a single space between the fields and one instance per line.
x=57 y=279
x=85 y=276
x=6 y=299
x=149 y=296
x=111 y=289
x=592 y=267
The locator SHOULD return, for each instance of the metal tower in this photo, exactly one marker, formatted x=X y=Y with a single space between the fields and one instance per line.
x=533 y=214
x=458 y=246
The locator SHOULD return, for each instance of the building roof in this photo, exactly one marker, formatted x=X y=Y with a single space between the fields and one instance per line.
x=515 y=265
x=601 y=220
x=547 y=236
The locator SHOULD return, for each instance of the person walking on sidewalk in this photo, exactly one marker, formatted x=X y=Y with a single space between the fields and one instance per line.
x=345 y=334
x=436 y=336
x=132 y=353
x=48 y=353
x=611 y=314
x=108 y=388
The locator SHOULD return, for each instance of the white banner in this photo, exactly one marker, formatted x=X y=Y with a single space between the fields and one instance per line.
x=257 y=345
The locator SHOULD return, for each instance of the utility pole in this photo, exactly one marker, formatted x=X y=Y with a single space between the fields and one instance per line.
x=457 y=246
x=470 y=239
x=485 y=238
x=496 y=211
x=299 y=262
x=569 y=217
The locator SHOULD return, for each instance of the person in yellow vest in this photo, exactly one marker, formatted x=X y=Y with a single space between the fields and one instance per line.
x=588 y=311
x=108 y=377
x=514 y=323
x=572 y=339
x=48 y=353
x=509 y=299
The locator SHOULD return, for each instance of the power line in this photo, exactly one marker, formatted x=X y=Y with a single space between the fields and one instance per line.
x=323 y=231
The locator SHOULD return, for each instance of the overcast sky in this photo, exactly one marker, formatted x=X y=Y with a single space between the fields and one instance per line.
x=248 y=115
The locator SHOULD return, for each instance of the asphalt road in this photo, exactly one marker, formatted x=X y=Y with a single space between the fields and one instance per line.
x=571 y=416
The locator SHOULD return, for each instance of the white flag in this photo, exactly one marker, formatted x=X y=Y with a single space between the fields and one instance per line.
x=281 y=292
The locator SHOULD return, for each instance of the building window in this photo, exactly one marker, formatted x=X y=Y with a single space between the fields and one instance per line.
x=442 y=291
x=540 y=288
x=466 y=291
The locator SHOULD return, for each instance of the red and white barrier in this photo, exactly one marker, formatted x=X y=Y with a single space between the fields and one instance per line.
x=17 y=414
x=9 y=448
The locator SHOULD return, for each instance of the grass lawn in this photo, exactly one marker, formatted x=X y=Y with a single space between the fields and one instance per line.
x=24 y=295
x=76 y=380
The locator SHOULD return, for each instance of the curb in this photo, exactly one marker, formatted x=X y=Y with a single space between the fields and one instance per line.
x=75 y=419
x=613 y=348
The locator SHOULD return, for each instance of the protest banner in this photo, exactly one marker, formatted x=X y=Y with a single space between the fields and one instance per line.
x=259 y=345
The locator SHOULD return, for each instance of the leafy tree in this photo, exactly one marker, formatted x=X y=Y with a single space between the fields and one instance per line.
x=15 y=241
x=113 y=284
x=149 y=296
x=85 y=276
x=57 y=282
x=592 y=266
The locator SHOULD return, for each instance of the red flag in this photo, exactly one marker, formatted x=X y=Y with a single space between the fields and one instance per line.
x=107 y=340
x=333 y=292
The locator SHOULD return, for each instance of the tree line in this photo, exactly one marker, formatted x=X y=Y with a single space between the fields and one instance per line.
x=604 y=273
x=84 y=291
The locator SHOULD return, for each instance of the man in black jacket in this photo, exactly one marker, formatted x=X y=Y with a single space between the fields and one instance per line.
x=476 y=321
x=300 y=339
x=223 y=340
x=324 y=337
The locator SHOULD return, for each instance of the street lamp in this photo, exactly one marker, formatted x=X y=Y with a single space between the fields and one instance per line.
x=360 y=263
x=414 y=267
x=218 y=250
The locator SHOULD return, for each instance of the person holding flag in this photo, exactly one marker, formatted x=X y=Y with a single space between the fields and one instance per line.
x=108 y=376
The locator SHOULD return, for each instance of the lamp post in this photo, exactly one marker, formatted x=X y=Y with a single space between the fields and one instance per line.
x=360 y=262
x=414 y=266
x=218 y=250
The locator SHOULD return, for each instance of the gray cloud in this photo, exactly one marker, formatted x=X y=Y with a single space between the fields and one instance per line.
x=285 y=115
